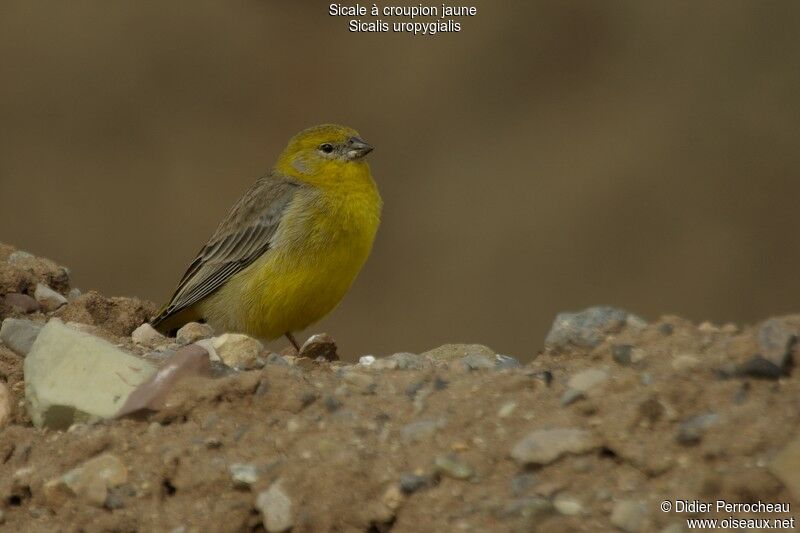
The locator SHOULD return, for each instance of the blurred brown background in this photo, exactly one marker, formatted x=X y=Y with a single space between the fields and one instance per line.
x=551 y=156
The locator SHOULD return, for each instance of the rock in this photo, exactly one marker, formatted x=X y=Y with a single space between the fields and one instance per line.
x=73 y=294
x=90 y=482
x=21 y=303
x=582 y=382
x=320 y=345
x=410 y=482
x=777 y=339
x=451 y=466
x=786 y=467
x=420 y=430
x=151 y=394
x=685 y=363
x=544 y=446
x=6 y=405
x=502 y=362
x=476 y=362
x=22 y=271
x=506 y=409
x=276 y=359
x=243 y=474
x=49 y=299
x=532 y=509
x=451 y=352
x=146 y=335
x=691 y=430
x=760 y=368
x=629 y=515
x=588 y=328
x=19 y=335
x=74 y=377
x=193 y=332
x=239 y=351
x=276 y=509
x=366 y=360
x=621 y=353
x=117 y=316
x=568 y=505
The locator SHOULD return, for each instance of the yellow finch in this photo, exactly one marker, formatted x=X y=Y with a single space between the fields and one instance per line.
x=289 y=249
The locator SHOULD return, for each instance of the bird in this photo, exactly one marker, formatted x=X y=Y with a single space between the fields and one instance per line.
x=290 y=248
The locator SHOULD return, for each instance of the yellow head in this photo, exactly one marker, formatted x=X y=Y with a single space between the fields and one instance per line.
x=322 y=153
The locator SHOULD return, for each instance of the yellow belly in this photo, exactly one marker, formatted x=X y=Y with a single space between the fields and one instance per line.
x=304 y=276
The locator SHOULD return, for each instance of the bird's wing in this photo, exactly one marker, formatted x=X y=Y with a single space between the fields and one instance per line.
x=242 y=237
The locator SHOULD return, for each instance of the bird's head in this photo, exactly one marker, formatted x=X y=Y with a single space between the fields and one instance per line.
x=323 y=152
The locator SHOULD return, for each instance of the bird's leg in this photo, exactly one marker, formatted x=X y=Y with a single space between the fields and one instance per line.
x=293 y=341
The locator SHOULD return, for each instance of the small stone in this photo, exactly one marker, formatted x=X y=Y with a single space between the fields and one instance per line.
x=6 y=405
x=276 y=509
x=450 y=352
x=621 y=353
x=410 y=482
x=49 y=299
x=193 y=332
x=691 y=431
x=666 y=329
x=760 y=368
x=568 y=505
x=629 y=516
x=530 y=508
x=786 y=467
x=147 y=335
x=777 y=338
x=21 y=303
x=544 y=446
x=75 y=377
x=503 y=362
x=151 y=394
x=409 y=361
x=19 y=335
x=476 y=362
x=685 y=363
x=89 y=481
x=581 y=383
x=320 y=345
x=588 y=328
x=392 y=497
x=506 y=409
x=276 y=359
x=238 y=351
x=366 y=360
x=420 y=430
x=451 y=466
x=332 y=404
x=243 y=474
x=73 y=294
x=20 y=256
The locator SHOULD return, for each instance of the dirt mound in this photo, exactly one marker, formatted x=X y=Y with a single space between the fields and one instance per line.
x=613 y=418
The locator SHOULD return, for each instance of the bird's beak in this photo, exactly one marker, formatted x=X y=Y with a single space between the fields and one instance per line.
x=358 y=148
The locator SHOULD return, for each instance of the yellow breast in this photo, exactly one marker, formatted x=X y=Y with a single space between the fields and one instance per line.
x=320 y=246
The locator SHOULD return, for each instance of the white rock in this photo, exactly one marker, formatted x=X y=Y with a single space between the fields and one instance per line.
x=238 y=351
x=366 y=360
x=243 y=474
x=276 y=509
x=629 y=516
x=546 y=445
x=568 y=505
x=72 y=376
x=147 y=335
x=587 y=379
x=49 y=299
x=19 y=257
x=19 y=334
x=193 y=332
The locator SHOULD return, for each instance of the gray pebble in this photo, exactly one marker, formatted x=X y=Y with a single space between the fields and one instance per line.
x=19 y=335
x=691 y=430
x=506 y=362
x=587 y=328
x=776 y=340
x=410 y=483
x=476 y=362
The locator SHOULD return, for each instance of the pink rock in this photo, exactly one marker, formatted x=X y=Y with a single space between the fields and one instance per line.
x=190 y=360
x=21 y=302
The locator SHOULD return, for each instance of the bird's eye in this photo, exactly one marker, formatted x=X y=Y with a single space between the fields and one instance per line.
x=327 y=148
